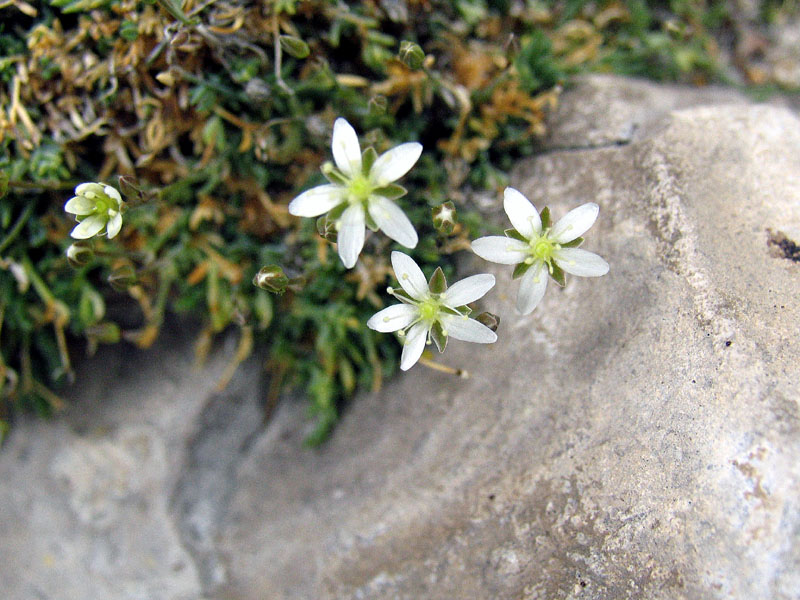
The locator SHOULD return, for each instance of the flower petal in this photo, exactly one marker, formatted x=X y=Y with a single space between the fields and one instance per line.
x=580 y=262
x=532 y=288
x=114 y=225
x=351 y=235
x=410 y=276
x=413 y=346
x=88 y=189
x=392 y=221
x=500 y=249
x=346 y=149
x=89 y=227
x=522 y=213
x=468 y=290
x=575 y=223
x=393 y=318
x=393 y=164
x=79 y=205
x=467 y=330
x=112 y=193
x=317 y=201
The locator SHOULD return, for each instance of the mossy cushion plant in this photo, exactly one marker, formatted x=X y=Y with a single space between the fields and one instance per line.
x=196 y=138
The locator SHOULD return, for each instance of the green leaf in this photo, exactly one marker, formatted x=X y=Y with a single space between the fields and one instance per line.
x=438 y=283
x=537 y=66
x=174 y=8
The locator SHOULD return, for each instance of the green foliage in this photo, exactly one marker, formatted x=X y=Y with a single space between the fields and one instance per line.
x=217 y=117
x=536 y=64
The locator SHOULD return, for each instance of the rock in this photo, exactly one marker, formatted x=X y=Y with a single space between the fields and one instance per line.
x=102 y=502
x=636 y=437
x=602 y=110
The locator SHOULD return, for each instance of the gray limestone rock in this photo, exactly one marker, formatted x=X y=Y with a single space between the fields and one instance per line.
x=636 y=437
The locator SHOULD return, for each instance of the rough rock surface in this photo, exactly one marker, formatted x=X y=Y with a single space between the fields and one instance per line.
x=637 y=436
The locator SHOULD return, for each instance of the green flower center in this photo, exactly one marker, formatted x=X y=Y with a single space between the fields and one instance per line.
x=360 y=188
x=103 y=204
x=429 y=310
x=542 y=249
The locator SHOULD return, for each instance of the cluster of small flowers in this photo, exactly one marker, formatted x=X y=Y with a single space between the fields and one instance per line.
x=360 y=195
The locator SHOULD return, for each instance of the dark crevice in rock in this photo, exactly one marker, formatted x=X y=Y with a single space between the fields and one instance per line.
x=784 y=247
x=226 y=430
x=583 y=148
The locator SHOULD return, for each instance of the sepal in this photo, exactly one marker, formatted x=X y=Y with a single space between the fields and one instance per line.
x=368 y=158
x=515 y=235
x=520 y=270
x=391 y=191
x=438 y=337
x=573 y=244
x=544 y=215
x=557 y=273
x=438 y=283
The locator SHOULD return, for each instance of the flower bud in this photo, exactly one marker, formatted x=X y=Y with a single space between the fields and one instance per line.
x=444 y=218
x=122 y=278
x=326 y=228
x=80 y=253
x=294 y=46
x=105 y=332
x=491 y=321
x=411 y=54
x=377 y=105
x=272 y=279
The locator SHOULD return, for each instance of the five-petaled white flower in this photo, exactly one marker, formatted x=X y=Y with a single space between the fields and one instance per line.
x=360 y=192
x=97 y=208
x=539 y=250
x=431 y=311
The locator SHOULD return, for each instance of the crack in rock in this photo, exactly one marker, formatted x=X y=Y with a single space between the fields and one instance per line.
x=229 y=423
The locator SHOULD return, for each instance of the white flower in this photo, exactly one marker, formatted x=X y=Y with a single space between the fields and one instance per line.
x=431 y=312
x=361 y=192
x=97 y=208
x=539 y=250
